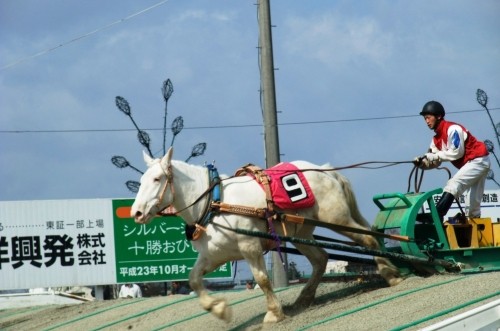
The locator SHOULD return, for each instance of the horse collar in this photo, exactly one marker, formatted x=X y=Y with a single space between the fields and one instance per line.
x=193 y=231
x=214 y=179
x=214 y=190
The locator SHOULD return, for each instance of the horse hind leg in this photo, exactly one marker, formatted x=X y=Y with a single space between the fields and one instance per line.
x=386 y=269
x=318 y=258
x=274 y=310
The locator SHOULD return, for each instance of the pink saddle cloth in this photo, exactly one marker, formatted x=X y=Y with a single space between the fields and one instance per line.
x=289 y=187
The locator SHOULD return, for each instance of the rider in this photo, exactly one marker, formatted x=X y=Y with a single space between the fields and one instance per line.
x=453 y=142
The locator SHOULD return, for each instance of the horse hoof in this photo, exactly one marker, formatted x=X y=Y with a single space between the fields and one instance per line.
x=394 y=281
x=391 y=276
x=273 y=318
x=222 y=311
x=228 y=315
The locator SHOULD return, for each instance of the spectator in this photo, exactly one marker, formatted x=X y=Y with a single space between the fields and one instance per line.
x=130 y=291
x=179 y=288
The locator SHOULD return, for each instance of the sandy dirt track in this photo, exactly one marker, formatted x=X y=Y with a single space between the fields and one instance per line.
x=415 y=303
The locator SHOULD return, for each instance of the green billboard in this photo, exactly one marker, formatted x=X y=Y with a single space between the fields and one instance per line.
x=155 y=252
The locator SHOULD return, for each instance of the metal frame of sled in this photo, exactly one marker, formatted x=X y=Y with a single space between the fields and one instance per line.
x=474 y=246
x=412 y=245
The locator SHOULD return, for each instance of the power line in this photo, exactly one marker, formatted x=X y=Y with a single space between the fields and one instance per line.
x=82 y=36
x=237 y=125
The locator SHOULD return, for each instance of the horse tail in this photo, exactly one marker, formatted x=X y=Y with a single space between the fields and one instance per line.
x=350 y=198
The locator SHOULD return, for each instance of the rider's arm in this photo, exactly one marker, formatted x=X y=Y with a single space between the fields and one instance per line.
x=455 y=147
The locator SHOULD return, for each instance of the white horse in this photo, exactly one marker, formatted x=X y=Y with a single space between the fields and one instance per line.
x=175 y=183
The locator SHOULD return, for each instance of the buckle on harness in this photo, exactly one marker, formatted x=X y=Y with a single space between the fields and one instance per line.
x=194 y=232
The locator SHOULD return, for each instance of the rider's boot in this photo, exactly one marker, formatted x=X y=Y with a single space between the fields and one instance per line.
x=444 y=204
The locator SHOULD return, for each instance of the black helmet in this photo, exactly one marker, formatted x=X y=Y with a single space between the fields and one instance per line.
x=433 y=108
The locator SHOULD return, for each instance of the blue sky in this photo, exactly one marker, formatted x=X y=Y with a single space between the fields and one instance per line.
x=336 y=61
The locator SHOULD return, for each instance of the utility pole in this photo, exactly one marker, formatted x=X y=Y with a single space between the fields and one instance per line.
x=269 y=114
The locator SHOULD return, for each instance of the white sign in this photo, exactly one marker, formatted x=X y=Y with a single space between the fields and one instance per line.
x=56 y=243
x=490 y=206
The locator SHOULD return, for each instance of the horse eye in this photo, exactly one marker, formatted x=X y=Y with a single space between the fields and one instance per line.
x=157 y=179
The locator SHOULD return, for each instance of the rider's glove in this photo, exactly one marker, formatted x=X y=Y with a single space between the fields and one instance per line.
x=427 y=161
x=432 y=157
x=418 y=161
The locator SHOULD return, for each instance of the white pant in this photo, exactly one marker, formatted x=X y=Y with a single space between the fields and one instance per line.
x=471 y=176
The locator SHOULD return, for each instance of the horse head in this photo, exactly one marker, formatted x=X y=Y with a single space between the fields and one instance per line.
x=156 y=190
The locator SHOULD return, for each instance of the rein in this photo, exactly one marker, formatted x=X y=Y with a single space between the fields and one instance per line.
x=214 y=205
x=418 y=176
x=194 y=231
x=362 y=165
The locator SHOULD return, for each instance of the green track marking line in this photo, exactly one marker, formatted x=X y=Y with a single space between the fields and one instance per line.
x=349 y=312
x=93 y=314
x=206 y=312
x=8 y=312
x=446 y=311
x=143 y=313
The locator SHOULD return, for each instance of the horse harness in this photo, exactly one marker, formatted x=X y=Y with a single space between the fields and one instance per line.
x=169 y=180
x=193 y=232
x=214 y=206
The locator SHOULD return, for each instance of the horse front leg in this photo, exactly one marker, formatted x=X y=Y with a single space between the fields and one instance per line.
x=258 y=267
x=217 y=306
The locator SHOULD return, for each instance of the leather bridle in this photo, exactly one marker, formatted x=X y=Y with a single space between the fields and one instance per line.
x=199 y=226
x=169 y=181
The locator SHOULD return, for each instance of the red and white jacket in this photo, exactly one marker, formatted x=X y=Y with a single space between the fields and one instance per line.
x=452 y=142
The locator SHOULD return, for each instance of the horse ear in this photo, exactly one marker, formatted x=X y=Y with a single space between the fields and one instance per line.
x=165 y=161
x=148 y=159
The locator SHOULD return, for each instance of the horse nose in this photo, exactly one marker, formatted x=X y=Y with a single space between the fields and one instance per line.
x=137 y=214
x=134 y=211
x=138 y=217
